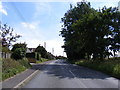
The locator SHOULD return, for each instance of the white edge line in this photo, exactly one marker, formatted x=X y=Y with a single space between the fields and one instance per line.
x=18 y=85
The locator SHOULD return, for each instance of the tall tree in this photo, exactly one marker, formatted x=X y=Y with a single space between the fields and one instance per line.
x=70 y=35
x=7 y=35
x=91 y=32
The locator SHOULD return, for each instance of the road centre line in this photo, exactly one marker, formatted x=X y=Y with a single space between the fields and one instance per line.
x=77 y=79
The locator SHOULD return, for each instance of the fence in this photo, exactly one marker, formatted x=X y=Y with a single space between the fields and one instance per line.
x=5 y=55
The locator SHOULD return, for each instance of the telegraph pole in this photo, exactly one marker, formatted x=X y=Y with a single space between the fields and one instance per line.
x=52 y=50
x=45 y=45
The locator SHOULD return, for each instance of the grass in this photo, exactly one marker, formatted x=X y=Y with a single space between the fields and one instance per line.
x=12 y=67
x=110 y=67
x=42 y=60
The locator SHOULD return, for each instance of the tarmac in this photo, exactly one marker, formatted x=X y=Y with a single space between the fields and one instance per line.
x=21 y=78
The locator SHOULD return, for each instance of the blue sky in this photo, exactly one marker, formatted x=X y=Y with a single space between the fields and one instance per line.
x=39 y=22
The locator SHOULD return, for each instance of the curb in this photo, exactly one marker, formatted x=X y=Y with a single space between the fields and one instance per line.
x=26 y=80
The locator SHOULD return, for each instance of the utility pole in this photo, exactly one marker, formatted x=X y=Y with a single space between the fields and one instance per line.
x=52 y=50
x=45 y=45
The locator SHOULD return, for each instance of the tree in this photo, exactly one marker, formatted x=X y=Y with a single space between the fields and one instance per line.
x=19 y=51
x=87 y=32
x=7 y=35
x=44 y=54
x=71 y=36
x=19 y=45
x=41 y=50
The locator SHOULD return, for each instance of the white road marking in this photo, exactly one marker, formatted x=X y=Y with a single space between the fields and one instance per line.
x=72 y=73
x=77 y=79
x=29 y=77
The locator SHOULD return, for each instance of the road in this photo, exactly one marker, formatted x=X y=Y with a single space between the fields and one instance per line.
x=60 y=74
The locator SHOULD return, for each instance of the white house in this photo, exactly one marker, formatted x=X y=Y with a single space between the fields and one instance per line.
x=30 y=50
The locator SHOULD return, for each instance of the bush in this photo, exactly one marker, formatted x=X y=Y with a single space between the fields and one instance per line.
x=31 y=55
x=11 y=67
x=38 y=56
x=6 y=49
x=18 y=53
x=24 y=62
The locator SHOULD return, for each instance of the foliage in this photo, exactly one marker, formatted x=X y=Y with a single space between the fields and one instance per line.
x=44 y=54
x=111 y=67
x=38 y=56
x=19 y=45
x=19 y=51
x=42 y=60
x=31 y=55
x=88 y=32
x=6 y=49
x=11 y=67
x=7 y=35
x=60 y=57
x=50 y=56
x=24 y=62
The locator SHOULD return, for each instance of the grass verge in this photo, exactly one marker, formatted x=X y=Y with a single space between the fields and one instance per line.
x=12 y=67
x=42 y=60
x=110 y=67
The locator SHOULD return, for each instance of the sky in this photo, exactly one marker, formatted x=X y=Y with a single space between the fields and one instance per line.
x=39 y=22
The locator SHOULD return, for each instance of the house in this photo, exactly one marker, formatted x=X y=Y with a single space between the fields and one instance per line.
x=30 y=50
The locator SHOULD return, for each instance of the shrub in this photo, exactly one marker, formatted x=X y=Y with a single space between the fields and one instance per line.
x=11 y=67
x=24 y=62
x=18 y=53
x=38 y=56
x=31 y=55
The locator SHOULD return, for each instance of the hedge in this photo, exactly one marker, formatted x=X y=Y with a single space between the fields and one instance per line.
x=34 y=55
x=38 y=56
x=31 y=55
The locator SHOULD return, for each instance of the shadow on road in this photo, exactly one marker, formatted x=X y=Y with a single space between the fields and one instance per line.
x=65 y=70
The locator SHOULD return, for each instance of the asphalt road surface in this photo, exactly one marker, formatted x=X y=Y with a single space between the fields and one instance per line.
x=60 y=74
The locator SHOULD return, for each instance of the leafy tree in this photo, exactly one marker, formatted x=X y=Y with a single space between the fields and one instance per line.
x=19 y=45
x=87 y=31
x=19 y=51
x=42 y=51
x=7 y=35
x=71 y=36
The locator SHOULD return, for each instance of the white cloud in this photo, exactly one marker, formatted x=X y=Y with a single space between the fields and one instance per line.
x=33 y=35
x=28 y=25
x=2 y=10
x=28 y=31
